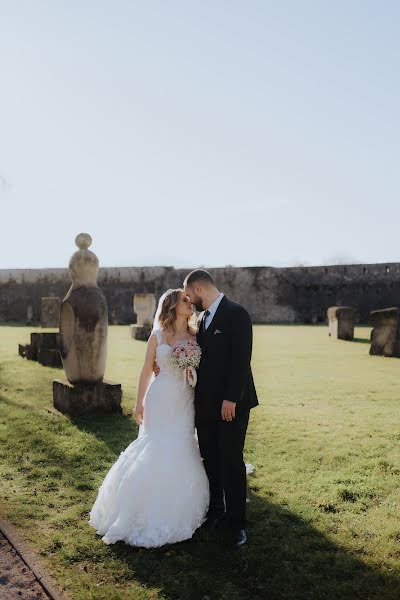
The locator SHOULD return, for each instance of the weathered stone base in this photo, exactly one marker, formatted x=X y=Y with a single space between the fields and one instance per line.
x=385 y=335
x=103 y=397
x=140 y=332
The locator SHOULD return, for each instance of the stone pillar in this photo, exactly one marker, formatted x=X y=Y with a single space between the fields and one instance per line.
x=83 y=340
x=144 y=305
x=341 y=322
x=50 y=312
x=385 y=335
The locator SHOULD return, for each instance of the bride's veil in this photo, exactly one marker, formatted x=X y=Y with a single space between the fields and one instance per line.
x=156 y=323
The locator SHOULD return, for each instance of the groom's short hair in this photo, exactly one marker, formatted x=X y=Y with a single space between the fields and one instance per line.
x=198 y=275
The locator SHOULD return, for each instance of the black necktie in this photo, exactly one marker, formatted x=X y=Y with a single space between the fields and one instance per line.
x=206 y=313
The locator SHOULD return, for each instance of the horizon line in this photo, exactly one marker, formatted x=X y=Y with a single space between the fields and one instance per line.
x=298 y=266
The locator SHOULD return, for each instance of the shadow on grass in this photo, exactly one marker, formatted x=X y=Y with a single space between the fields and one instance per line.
x=362 y=340
x=285 y=558
x=116 y=431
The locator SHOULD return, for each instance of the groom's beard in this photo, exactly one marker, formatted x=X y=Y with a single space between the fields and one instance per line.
x=197 y=302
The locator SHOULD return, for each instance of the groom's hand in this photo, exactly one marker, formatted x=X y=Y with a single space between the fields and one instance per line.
x=156 y=368
x=228 y=410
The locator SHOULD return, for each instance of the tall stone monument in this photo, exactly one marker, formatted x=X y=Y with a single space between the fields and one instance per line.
x=144 y=305
x=82 y=340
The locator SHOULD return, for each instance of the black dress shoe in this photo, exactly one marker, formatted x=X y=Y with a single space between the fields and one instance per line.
x=239 y=538
x=213 y=522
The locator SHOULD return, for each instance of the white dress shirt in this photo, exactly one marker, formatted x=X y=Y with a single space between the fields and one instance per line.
x=212 y=310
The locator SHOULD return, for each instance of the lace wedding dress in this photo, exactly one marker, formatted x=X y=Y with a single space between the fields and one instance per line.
x=157 y=491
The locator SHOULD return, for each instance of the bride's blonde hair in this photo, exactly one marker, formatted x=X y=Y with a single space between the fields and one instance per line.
x=167 y=318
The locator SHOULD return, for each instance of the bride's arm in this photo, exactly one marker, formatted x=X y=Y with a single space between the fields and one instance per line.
x=145 y=377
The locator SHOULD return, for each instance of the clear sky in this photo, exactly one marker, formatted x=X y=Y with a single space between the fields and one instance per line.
x=200 y=133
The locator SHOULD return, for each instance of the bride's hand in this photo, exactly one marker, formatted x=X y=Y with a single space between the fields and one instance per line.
x=138 y=414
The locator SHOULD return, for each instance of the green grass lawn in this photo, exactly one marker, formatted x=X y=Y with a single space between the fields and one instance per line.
x=324 y=500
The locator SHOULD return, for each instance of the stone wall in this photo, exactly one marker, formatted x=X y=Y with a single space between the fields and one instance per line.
x=272 y=295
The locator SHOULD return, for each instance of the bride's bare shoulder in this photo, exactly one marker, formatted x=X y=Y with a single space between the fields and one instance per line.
x=153 y=340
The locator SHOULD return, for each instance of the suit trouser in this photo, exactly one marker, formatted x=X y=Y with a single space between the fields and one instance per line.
x=221 y=446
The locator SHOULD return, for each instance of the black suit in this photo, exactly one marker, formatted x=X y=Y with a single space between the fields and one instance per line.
x=225 y=374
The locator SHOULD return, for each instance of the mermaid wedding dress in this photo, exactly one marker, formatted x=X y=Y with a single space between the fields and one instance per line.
x=157 y=491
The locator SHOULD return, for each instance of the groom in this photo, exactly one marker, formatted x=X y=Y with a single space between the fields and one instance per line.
x=224 y=395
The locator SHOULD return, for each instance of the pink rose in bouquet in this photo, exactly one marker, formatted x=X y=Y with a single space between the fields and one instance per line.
x=186 y=355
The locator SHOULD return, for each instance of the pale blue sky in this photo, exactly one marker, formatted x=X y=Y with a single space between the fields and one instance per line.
x=200 y=133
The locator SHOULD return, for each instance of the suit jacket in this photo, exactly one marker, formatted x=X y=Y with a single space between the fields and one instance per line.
x=225 y=372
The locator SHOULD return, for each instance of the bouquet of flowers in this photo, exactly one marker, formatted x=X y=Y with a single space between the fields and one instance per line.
x=186 y=356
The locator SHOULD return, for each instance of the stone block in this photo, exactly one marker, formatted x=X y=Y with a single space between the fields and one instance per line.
x=43 y=348
x=49 y=357
x=385 y=335
x=47 y=340
x=32 y=353
x=341 y=321
x=141 y=333
x=50 y=312
x=103 y=397
x=144 y=305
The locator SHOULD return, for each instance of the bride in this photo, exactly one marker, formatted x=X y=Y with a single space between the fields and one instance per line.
x=157 y=492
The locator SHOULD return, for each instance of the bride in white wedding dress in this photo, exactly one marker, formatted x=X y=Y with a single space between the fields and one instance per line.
x=157 y=492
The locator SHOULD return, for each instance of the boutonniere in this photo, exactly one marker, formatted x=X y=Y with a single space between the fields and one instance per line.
x=217 y=331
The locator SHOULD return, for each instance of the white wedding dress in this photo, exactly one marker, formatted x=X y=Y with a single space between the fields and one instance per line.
x=157 y=491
